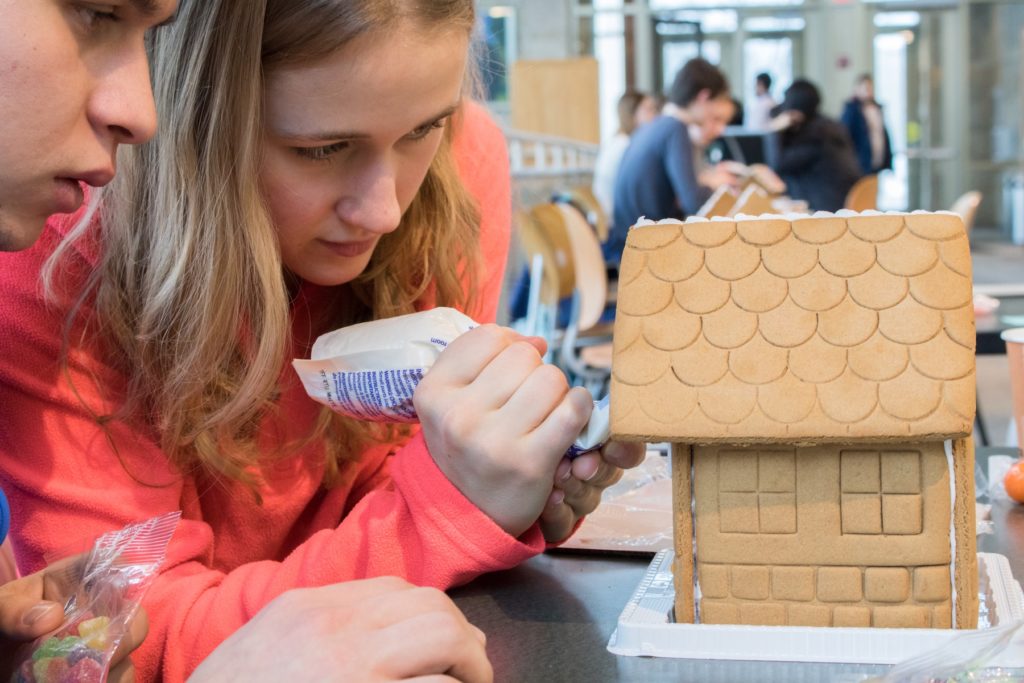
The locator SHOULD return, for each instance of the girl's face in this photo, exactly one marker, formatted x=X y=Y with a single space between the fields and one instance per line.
x=348 y=141
x=646 y=112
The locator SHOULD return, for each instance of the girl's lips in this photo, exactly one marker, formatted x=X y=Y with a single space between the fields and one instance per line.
x=67 y=195
x=349 y=249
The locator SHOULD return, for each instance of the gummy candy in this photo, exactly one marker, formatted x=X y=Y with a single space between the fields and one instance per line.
x=70 y=659
x=94 y=632
x=85 y=671
x=57 y=647
x=50 y=669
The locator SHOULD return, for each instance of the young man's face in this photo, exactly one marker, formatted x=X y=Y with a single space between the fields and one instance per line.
x=710 y=117
x=74 y=84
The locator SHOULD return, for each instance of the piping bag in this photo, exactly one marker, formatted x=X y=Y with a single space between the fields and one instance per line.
x=370 y=370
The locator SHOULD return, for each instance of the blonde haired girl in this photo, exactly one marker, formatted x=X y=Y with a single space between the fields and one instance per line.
x=316 y=164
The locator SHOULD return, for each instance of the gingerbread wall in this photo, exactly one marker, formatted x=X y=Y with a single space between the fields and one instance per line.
x=824 y=536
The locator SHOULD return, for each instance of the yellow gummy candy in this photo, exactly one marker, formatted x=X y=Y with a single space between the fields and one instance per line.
x=94 y=632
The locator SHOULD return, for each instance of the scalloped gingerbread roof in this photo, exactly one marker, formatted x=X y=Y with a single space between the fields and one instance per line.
x=806 y=329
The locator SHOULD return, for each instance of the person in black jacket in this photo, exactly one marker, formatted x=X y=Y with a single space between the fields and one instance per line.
x=811 y=152
x=862 y=116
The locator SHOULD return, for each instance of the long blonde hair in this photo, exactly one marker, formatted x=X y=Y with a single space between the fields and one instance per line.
x=190 y=299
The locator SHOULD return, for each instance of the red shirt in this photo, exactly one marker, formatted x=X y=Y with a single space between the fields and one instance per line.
x=230 y=556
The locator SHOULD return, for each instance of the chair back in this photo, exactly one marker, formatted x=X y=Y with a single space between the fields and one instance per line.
x=966 y=206
x=582 y=197
x=591 y=274
x=863 y=196
x=584 y=270
x=552 y=245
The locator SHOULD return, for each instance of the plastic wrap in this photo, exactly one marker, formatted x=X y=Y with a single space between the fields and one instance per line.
x=105 y=589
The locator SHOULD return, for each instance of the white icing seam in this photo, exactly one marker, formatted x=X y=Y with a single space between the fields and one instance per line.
x=948 y=443
x=693 y=531
x=643 y=221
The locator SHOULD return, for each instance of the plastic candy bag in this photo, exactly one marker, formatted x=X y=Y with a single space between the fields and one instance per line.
x=106 y=588
x=369 y=371
x=990 y=655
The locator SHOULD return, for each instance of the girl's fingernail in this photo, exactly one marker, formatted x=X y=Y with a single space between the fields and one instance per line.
x=557 y=497
x=614 y=450
x=40 y=611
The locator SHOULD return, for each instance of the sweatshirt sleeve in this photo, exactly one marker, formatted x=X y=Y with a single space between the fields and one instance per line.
x=418 y=526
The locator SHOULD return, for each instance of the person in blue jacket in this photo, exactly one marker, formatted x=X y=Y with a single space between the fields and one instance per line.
x=663 y=173
x=863 y=118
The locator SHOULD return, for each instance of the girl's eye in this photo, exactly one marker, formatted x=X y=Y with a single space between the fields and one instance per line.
x=424 y=131
x=320 y=153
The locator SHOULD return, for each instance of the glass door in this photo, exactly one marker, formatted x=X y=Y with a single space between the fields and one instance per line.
x=914 y=67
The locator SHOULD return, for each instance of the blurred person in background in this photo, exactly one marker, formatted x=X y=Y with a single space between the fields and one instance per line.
x=662 y=174
x=634 y=109
x=738 y=114
x=811 y=152
x=863 y=118
x=760 y=115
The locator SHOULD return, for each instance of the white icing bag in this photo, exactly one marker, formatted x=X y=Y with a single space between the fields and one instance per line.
x=369 y=371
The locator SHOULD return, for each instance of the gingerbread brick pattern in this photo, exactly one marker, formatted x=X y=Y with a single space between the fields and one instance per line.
x=831 y=328
x=890 y=597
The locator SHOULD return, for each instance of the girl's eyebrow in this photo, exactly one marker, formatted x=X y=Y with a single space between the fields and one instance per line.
x=354 y=135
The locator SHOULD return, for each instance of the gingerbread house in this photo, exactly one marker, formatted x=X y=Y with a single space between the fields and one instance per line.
x=816 y=378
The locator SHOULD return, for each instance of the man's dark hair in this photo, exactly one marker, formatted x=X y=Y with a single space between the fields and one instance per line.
x=697 y=75
x=764 y=79
x=737 y=113
x=865 y=77
x=804 y=97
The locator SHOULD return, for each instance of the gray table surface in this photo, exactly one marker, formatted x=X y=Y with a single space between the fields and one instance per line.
x=550 y=618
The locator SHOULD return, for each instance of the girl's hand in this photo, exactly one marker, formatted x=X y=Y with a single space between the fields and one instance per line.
x=579 y=484
x=498 y=420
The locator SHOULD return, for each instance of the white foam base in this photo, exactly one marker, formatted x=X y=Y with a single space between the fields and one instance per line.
x=645 y=627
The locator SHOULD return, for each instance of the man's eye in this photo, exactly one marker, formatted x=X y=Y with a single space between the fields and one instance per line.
x=92 y=15
x=323 y=153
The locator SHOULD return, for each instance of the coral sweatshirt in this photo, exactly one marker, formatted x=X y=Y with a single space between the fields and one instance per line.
x=394 y=513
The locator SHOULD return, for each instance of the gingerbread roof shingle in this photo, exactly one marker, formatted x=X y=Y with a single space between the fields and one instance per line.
x=811 y=329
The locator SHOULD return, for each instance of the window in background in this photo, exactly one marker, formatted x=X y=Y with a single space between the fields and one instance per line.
x=677 y=4
x=683 y=35
x=610 y=51
x=675 y=54
x=773 y=56
x=891 y=91
x=499 y=31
